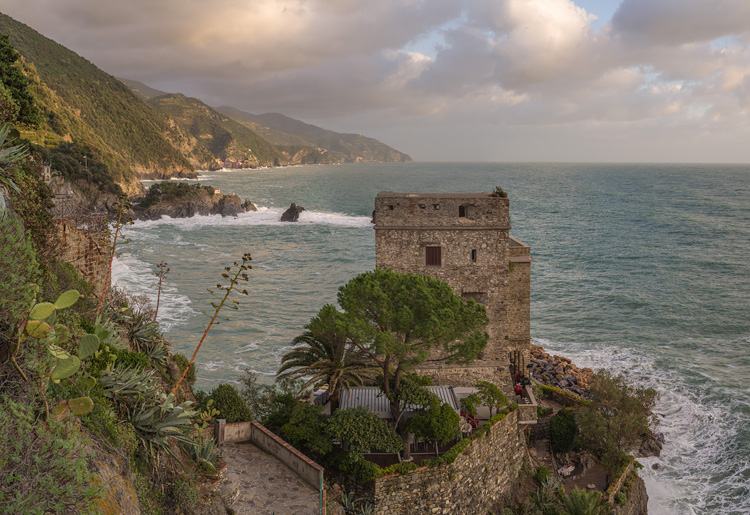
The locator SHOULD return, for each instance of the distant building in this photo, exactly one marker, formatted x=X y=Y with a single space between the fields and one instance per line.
x=463 y=239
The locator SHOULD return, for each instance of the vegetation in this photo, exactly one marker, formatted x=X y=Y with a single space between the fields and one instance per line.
x=398 y=319
x=168 y=191
x=563 y=430
x=80 y=163
x=324 y=355
x=16 y=100
x=617 y=417
x=228 y=402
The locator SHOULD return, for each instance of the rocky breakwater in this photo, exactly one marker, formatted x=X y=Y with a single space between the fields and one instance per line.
x=181 y=200
x=559 y=371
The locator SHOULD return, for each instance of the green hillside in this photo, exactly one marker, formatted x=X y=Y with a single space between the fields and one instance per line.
x=284 y=131
x=224 y=138
x=82 y=103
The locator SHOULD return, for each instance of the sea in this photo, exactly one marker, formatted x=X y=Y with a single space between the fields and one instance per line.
x=642 y=269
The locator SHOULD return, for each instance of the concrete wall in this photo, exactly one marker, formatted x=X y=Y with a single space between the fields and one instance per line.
x=484 y=474
x=88 y=252
x=256 y=433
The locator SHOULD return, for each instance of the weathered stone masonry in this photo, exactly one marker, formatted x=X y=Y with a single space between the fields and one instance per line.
x=87 y=251
x=463 y=239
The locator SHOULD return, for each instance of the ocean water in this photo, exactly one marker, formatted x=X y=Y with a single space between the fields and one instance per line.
x=641 y=269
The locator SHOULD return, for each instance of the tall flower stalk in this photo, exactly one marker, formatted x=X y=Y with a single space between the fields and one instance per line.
x=161 y=274
x=122 y=208
x=239 y=275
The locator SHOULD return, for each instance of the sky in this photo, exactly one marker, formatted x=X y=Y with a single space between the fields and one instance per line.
x=445 y=80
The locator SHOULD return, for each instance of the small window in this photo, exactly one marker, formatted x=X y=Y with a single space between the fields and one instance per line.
x=433 y=256
x=436 y=206
x=422 y=206
x=474 y=255
x=461 y=211
x=390 y=208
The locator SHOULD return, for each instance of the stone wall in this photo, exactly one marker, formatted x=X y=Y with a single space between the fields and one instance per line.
x=637 y=499
x=88 y=252
x=484 y=474
x=519 y=303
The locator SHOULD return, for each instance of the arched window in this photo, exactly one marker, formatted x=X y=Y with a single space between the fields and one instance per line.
x=461 y=211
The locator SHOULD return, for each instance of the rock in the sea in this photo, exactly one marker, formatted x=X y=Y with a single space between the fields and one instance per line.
x=292 y=214
x=248 y=206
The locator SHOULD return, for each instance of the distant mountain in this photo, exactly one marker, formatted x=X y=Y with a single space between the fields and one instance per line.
x=82 y=103
x=145 y=92
x=284 y=131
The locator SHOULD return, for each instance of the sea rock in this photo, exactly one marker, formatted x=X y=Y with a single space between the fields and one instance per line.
x=202 y=203
x=292 y=214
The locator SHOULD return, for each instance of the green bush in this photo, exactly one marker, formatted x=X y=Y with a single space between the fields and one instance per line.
x=398 y=468
x=185 y=495
x=621 y=499
x=182 y=362
x=563 y=430
x=230 y=405
x=543 y=412
x=19 y=272
x=541 y=475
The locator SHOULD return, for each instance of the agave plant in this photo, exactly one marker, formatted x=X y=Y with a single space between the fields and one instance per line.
x=129 y=384
x=156 y=424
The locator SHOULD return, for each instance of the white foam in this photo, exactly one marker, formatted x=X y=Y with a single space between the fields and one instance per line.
x=699 y=433
x=132 y=274
x=264 y=216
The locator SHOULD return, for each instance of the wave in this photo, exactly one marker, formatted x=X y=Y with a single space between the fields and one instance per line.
x=701 y=469
x=132 y=274
x=264 y=216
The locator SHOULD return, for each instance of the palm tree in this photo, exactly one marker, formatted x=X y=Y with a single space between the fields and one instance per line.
x=582 y=502
x=323 y=355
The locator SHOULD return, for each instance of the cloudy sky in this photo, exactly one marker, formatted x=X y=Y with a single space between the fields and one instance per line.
x=446 y=80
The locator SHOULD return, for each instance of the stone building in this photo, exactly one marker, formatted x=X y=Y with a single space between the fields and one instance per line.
x=463 y=239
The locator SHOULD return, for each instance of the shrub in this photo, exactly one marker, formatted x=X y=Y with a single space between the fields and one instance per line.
x=230 y=405
x=130 y=359
x=541 y=475
x=185 y=495
x=543 y=412
x=19 y=272
x=621 y=498
x=563 y=430
x=182 y=362
x=398 y=468
x=306 y=429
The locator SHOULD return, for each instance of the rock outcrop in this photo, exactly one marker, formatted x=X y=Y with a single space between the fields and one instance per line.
x=200 y=204
x=559 y=371
x=292 y=214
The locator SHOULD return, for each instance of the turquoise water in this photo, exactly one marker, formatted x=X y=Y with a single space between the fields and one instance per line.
x=639 y=268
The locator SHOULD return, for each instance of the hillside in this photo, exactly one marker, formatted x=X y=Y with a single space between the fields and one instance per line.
x=82 y=103
x=286 y=132
x=228 y=142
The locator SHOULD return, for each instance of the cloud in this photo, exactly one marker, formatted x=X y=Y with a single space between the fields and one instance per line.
x=675 y=22
x=503 y=65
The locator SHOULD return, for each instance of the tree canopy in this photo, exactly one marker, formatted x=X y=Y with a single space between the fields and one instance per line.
x=403 y=320
x=16 y=101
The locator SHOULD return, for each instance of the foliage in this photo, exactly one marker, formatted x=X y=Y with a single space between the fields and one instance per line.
x=621 y=498
x=239 y=275
x=352 y=463
x=323 y=354
x=563 y=430
x=129 y=385
x=204 y=449
x=182 y=362
x=617 y=417
x=451 y=455
x=399 y=319
x=157 y=422
x=43 y=463
x=10 y=154
x=231 y=406
x=306 y=429
x=499 y=192
x=15 y=85
x=487 y=394
x=363 y=431
x=541 y=474
x=544 y=411
x=121 y=209
x=184 y=493
x=398 y=468
x=439 y=422
x=272 y=405
x=20 y=273
x=161 y=274
x=582 y=502
x=77 y=161
x=168 y=191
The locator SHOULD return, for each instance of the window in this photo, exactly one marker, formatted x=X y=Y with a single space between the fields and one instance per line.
x=432 y=255
x=436 y=206
x=474 y=255
x=461 y=211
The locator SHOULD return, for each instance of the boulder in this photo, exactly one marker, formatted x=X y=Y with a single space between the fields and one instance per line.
x=292 y=214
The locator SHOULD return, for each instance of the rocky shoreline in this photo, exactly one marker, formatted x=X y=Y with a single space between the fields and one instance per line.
x=559 y=371
x=202 y=203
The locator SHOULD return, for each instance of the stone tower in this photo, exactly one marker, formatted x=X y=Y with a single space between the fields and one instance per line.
x=463 y=239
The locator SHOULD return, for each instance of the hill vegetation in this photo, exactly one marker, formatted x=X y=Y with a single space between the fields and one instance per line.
x=79 y=102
